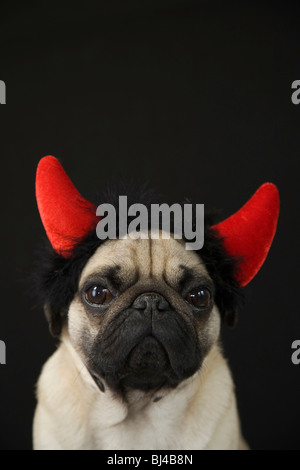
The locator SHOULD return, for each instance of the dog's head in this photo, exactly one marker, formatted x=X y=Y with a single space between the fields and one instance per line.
x=144 y=313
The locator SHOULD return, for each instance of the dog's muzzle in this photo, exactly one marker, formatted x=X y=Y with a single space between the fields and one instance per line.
x=148 y=346
x=148 y=360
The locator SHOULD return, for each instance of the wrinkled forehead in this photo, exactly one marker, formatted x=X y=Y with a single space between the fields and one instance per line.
x=143 y=259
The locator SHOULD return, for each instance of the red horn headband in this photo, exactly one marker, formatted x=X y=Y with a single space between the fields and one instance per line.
x=67 y=217
x=248 y=234
x=65 y=214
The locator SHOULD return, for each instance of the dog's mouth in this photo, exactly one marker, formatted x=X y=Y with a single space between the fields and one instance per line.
x=148 y=354
x=148 y=357
x=148 y=365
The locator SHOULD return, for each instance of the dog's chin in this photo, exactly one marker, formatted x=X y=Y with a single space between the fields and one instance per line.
x=147 y=367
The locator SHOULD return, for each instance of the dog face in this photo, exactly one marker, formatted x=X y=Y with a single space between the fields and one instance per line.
x=144 y=315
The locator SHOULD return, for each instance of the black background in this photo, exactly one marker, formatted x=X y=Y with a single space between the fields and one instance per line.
x=192 y=96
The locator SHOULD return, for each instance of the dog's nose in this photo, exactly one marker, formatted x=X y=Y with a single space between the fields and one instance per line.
x=151 y=302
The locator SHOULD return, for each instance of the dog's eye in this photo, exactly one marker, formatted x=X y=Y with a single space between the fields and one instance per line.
x=199 y=298
x=98 y=295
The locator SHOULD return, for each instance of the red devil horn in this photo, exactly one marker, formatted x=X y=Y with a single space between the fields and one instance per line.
x=248 y=234
x=65 y=214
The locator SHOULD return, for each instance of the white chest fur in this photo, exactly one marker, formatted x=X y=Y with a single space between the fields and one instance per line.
x=73 y=414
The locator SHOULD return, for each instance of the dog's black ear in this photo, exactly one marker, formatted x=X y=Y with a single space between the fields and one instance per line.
x=55 y=320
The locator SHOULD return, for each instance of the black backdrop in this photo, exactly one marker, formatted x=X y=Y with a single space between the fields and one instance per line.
x=192 y=96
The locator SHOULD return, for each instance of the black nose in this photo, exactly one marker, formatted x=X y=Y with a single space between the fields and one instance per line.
x=151 y=302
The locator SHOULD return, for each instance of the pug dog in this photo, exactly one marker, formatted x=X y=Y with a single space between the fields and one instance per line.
x=139 y=365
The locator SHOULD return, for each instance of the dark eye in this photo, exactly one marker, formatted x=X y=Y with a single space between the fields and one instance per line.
x=199 y=298
x=97 y=295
